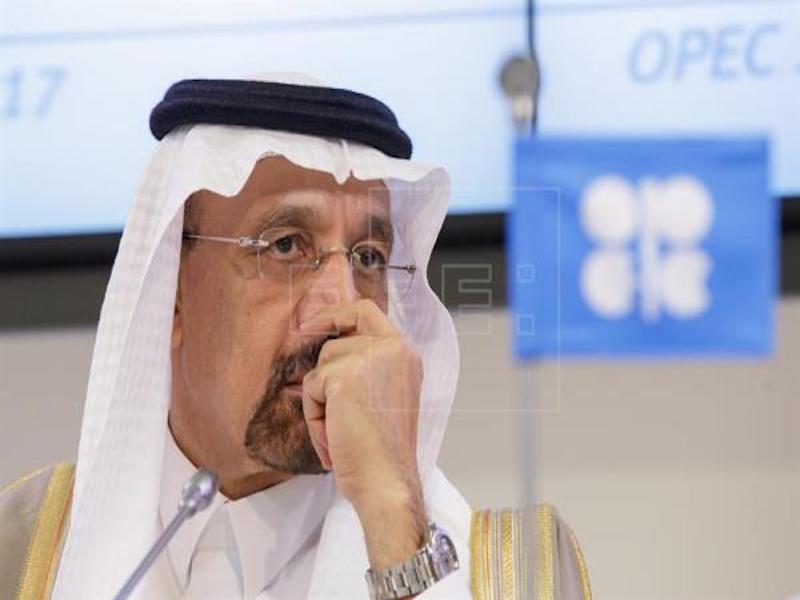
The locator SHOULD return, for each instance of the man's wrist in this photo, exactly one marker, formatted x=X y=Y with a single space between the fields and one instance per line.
x=394 y=524
x=434 y=561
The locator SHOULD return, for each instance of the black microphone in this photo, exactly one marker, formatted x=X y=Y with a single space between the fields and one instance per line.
x=196 y=496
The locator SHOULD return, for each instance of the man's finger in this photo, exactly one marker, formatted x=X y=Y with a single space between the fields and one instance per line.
x=319 y=440
x=336 y=348
x=362 y=316
x=314 y=414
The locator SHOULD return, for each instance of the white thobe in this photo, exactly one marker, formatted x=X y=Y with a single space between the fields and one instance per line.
x=261 y=547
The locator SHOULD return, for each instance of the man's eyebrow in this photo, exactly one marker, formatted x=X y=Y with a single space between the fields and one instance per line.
x=304 y=217
x=374 y=227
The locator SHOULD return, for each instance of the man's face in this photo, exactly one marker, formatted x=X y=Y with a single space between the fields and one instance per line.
x=238 y=359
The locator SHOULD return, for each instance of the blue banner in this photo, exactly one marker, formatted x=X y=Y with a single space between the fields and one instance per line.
x=633 y=247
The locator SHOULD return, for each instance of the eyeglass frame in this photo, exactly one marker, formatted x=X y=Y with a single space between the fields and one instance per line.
x=316 y=263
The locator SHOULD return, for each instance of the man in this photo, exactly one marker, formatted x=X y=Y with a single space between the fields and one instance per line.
x=268 y=318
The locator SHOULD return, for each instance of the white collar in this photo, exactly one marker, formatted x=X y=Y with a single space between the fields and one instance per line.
x=269 y=526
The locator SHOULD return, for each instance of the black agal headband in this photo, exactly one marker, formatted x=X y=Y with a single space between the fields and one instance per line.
x=317 y=111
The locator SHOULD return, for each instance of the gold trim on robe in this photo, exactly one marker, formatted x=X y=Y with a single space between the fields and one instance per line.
x=582 y=569
x=44 y=551
x=526 y=554
x=545 y=574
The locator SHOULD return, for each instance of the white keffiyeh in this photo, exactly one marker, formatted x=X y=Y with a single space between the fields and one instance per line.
x=115 y=502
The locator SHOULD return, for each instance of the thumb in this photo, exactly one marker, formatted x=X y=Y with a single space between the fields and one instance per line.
x=319 y=439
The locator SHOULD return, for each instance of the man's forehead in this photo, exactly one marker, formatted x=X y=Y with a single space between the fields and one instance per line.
x=276 y=181
x=278 y=177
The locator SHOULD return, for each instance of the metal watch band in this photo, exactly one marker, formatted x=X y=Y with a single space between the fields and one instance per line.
x=433 y=561
x=408 y=579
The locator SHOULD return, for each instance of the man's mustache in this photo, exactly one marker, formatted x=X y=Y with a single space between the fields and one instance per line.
x=302 y=360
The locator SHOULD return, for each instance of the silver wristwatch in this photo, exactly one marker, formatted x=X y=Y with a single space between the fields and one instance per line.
x=436 y=559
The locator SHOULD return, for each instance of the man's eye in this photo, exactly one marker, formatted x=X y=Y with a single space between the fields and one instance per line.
x=371 y=258
x=287 y=246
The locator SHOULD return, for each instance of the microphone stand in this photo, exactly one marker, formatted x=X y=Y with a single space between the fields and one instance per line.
x=196 y=496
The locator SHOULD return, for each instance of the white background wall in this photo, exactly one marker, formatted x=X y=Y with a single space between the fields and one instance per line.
x=682 y=480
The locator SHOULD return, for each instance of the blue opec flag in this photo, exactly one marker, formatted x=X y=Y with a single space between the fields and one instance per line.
x=642 y=247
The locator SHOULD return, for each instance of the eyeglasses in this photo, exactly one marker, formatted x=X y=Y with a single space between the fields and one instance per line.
x=288 y=255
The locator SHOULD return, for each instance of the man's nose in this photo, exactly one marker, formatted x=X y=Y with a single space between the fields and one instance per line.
x=331 y=284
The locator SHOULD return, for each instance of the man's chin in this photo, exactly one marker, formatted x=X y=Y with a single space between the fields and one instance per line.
x=298 y=463
x=284 y=446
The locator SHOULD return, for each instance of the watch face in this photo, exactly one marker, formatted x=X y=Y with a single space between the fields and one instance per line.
x=444 y=559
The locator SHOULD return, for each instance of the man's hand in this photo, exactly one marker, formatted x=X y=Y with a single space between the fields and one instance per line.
x=361 y=404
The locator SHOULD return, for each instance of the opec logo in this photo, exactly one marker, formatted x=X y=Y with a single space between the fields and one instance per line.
x=642 y=247
x=647 y=256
